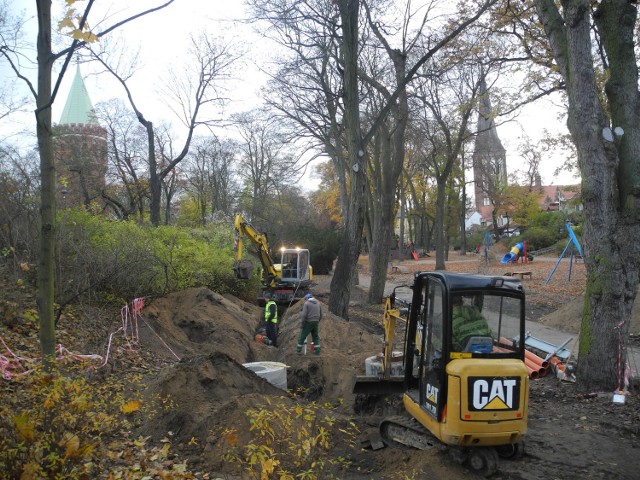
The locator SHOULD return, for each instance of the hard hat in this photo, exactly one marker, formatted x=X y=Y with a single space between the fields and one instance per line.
x=308 y=295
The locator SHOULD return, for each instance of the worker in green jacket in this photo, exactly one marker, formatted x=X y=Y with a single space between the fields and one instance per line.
x=271 y=319
x=467 y=321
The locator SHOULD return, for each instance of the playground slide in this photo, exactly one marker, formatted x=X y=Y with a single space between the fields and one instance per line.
x=512 y=256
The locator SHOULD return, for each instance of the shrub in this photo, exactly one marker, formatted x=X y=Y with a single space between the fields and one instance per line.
x=123 y=260
x=64 y=426
x=289 y=441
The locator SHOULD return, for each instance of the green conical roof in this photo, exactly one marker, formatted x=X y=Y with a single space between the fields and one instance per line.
x=78 y=108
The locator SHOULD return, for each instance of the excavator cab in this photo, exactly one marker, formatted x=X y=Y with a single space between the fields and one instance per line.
x=294 y=265
x=464 y=382
x=286 y=281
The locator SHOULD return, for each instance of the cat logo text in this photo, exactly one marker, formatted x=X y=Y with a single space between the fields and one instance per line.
x=493 y=393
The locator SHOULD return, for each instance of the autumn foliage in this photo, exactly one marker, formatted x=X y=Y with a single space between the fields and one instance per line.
x=289 y=441
x=75 y=425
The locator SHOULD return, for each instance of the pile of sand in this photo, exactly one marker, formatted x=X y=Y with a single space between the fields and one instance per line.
x=210 y=389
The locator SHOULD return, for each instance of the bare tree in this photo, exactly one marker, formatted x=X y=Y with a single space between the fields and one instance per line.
x=44 y=96
x=531 y=158
x=418 y=181
x=18 y=203
x=448 y=99
x=356 y=141
x=127 y=189
x=11 y=40
x=605 y=126
x=192 y=92
x=170 y=184
x=210 y=177
x=305 y=90
x=268 y=160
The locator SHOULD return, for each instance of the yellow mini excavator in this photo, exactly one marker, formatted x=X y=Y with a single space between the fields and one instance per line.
x=461 y=389
x=286 y=281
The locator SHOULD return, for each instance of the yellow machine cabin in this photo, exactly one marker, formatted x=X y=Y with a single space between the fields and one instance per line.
x=464 y=382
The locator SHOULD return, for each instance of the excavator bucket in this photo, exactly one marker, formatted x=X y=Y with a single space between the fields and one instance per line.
x=243 y=269
x=374 y=385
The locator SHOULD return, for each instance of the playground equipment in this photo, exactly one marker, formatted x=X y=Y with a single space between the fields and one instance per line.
x=517 y=251
x=487 y=246
x=573 y=243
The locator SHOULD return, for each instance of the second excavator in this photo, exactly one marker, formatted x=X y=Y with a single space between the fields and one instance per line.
x=286 y=281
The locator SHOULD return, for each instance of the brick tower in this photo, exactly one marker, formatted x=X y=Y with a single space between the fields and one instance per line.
x=80 y=150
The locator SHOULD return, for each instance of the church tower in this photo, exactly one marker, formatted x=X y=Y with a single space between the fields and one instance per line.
x=80 y=150
x=489 y=160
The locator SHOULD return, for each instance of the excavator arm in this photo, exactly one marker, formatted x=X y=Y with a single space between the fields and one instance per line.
x=385 y=382
x=243 y=268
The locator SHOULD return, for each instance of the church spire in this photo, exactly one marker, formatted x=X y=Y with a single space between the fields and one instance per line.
x=489 y=159
x=78 y=109
x=487 y=140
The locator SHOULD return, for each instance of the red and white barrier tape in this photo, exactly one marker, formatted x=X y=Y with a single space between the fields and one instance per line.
x=135 y=312
x=11 y=365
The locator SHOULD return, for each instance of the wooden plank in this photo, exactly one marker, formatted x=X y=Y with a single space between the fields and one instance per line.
x=519 y=274
x=522 y=274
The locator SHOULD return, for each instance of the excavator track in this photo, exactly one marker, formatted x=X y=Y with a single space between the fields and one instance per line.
x=399 y=431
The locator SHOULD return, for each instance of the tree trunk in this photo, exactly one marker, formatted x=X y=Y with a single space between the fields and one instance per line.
x=463 y=214
x=46 y=257
x=155 y=182
x=610 y=178
x=438 y=225
x=382 y=192
x=350 y=249
x=379 y=253
x=390 y=165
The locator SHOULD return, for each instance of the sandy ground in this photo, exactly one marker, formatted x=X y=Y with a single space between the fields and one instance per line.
x=210 y=389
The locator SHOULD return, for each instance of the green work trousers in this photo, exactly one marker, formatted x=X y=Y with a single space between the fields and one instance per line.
x=309 y=328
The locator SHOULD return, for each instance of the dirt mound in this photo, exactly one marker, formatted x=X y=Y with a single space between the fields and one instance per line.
x=569 y=316
x=210 y=389
x=199 y=321
x=199 y=388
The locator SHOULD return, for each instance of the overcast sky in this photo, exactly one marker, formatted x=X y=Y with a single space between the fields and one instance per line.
x=162 y=39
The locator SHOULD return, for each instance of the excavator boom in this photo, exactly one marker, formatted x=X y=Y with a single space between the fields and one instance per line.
x=285 y=281
x=244 y=230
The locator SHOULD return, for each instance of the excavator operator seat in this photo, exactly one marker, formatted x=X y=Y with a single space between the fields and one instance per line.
x=479 y=345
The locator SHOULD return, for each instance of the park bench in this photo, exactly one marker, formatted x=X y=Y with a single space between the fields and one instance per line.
x=397 y=268
x=518 y=274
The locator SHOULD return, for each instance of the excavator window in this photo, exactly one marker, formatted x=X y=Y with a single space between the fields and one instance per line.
x=481 y=323
x=433 y=362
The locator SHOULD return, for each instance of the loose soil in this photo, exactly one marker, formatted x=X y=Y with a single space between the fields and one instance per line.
x=196 y=342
